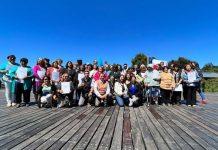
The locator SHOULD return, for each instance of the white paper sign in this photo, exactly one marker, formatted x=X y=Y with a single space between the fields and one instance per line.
x=191 y=76
x=21 y=72
x=41 y=74
x=55 y=76
x=155 y=75
x=179 y=88
x=65 y=87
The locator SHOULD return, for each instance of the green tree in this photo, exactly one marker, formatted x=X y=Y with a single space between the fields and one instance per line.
x=140 y=59
x=181 y=61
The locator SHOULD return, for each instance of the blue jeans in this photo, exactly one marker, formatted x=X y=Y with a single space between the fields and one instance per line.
x=199 y=90
x=122 y=100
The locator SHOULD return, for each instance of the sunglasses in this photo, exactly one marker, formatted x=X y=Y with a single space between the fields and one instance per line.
x=45 y=79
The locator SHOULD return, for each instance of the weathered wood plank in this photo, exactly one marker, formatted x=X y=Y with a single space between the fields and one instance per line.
x=136 y=133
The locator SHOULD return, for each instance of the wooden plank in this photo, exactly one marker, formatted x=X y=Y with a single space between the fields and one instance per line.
x=204 y=124
x=117 y=137
x=13 y=132
x=127 y=138
x=136 y=133
x=108 y=135
x=198 y=130
x=146 y=134
x=154 y=132
x=96 y=139
x=155 y=117
x=19 y=125
x=79 y=134
x=83 y=143
x=55 y=127
x=29 y=132
x=61 y=137
x=182 y=144
x=170 y=120
x=204 y=144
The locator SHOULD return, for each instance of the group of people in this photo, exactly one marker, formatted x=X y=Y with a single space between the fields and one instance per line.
x=76 y=84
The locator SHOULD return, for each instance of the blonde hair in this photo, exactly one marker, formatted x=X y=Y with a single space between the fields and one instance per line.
x=142 y=66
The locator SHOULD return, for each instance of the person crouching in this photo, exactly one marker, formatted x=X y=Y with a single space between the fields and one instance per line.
x=101 y=90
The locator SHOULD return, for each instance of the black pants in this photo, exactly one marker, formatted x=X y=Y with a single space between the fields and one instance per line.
x=20 y=91
x=176 y=97
x=191 y=95
x=165 y=94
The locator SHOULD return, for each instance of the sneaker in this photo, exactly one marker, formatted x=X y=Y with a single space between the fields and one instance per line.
x=13 y=104
x=130 y=103
x=204 y=102
x=27 y=105
x=189 y=105
x=8 y=105
x=194 y=105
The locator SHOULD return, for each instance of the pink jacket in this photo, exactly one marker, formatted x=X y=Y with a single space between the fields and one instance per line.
x=97 y=76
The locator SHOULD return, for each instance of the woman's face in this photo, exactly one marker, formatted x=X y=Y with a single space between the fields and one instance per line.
x=121 y=78
x=112 y=78
x=133 y=79
x=46 y=81
x=69 y=64
x=100 y=69
x=176 y=69
x=95 y=67
x=188 y=67
x=128 y=76
x=165 y=69
x=55 y=64
x=23 y=64
x=12 y=60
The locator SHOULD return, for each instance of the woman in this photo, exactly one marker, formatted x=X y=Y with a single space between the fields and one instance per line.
x=167 y=84
x=134 y=92
x=65 y=90
x=190 y=78
x=24 y=77
x=7 y=70
x=176 y=97
x=121 y=91
x=70 y=71
x=128 y=79
x=97 y=74
x=47 y=93
x=55 y=73
x=152 y=84
x=39 y=72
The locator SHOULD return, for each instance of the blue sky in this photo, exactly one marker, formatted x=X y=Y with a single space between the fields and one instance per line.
x=110 y=29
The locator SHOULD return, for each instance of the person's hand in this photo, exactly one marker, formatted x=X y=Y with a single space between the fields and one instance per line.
x=60 y=91
x=15 y=77
x=90 y=94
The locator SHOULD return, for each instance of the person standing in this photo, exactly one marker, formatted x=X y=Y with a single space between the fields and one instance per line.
x=190 y=78
x=24 y=77
x=39 y=72
x=7 y=70
x=166 y=85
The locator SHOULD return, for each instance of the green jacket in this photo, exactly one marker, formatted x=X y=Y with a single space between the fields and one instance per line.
x=28 y=81
x=11 y=70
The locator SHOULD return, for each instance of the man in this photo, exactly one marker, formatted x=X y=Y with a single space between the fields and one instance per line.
x=101 y=90
x=85 y=88
x=125 y=68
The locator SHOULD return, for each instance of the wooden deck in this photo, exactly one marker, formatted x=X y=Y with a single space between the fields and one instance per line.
x=156 y=127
